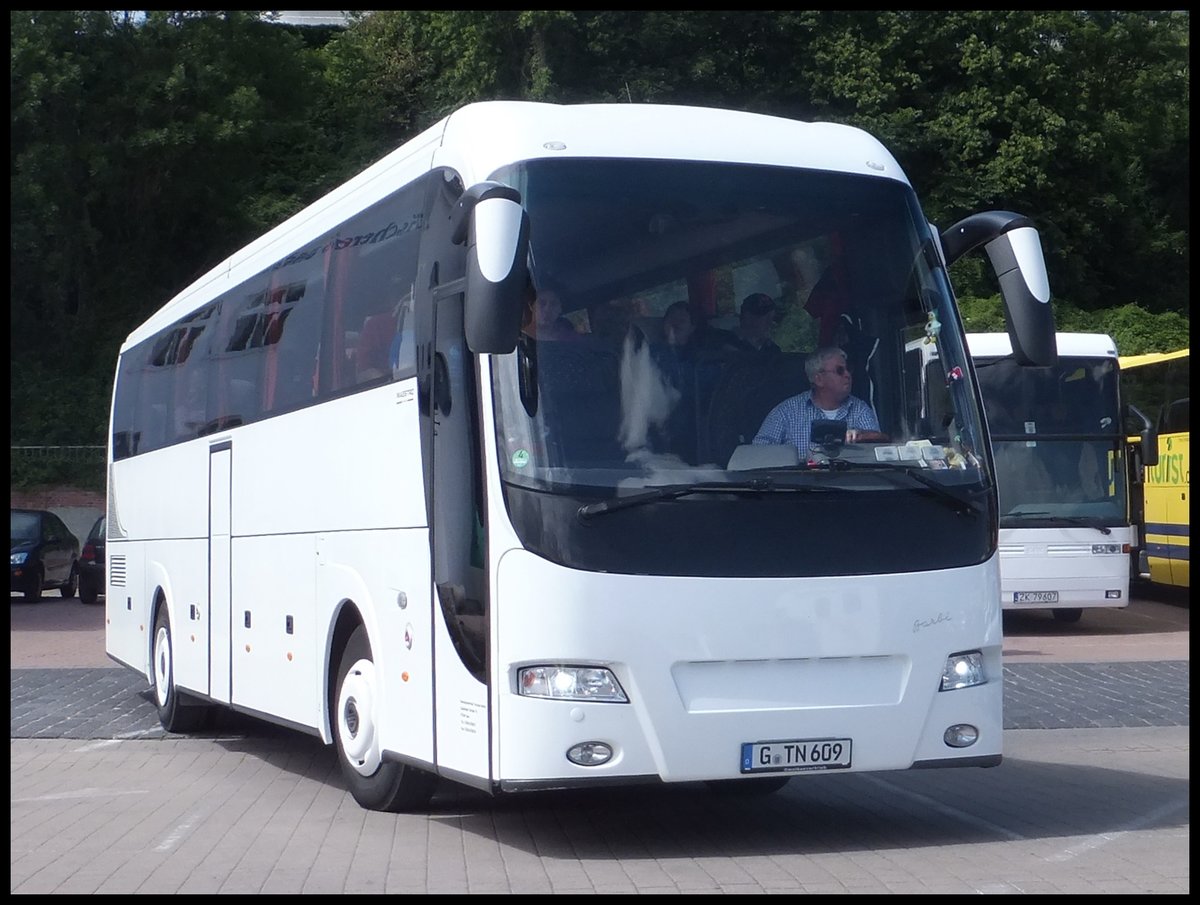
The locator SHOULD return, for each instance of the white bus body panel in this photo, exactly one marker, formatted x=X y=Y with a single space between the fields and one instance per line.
x=312 y=492
x=1070 y=345
x=1061 y=559
x=481 y=138
x=171 y=558
x=390 y=587
x=711 y=663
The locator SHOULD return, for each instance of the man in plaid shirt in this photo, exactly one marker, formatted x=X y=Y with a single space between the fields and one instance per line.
x=828 y=398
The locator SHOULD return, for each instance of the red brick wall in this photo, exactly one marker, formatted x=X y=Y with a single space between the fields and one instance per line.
x=56 y=498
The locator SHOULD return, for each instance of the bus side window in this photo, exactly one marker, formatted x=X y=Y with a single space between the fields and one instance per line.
x=1175 y=417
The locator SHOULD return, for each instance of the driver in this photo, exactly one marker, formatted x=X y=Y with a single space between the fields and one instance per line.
x=828 y=397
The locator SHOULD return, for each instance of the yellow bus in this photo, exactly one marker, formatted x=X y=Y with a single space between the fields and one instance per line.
x=1157 y=385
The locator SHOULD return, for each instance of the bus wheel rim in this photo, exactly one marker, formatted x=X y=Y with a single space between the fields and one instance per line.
x=357 y=732
x=162 y=665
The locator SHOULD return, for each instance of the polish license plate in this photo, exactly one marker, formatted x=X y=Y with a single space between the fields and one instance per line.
x=796 y=756
x=1035 y=596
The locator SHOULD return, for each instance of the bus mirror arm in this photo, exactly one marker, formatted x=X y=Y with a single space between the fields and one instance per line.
x=490 y=219
x=1149 y=436
x=1015 y=252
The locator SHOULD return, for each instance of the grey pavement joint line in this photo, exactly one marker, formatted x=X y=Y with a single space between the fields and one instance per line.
x=1102 y=839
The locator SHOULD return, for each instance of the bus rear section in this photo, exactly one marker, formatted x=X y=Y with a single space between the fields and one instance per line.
x=1158 y=385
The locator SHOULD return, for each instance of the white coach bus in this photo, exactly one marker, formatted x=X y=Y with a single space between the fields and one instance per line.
x=1066 y=474
x=352 y=492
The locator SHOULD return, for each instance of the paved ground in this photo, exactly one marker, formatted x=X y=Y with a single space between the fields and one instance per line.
x=1092 y=797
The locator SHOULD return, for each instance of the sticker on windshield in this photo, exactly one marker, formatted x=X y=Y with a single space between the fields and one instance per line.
x=520 y=458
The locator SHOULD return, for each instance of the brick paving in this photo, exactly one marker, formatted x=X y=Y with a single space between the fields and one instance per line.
x=103 y=801
x=114 y=703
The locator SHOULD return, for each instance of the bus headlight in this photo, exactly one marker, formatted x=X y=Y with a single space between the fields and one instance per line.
x=16 y=559
x=570 y=683
x=963 y=670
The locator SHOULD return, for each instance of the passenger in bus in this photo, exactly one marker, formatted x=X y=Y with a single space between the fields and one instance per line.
x=612 y=322
x=543 y=318
x=374 y=343
x=687 y=336
x=828 y=397
x=679 y=330
x=756 y=318
x=691 y=361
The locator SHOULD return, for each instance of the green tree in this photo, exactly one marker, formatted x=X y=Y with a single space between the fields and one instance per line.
x=142 y=154
x=1079 y=119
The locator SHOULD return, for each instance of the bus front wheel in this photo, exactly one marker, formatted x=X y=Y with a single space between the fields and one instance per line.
x=376 y=785
x=173 y=713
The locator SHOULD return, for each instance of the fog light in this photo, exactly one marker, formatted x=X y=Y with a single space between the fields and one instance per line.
x=962 y=670
x=590 y=754
x=961 y=736
x=1112 y=595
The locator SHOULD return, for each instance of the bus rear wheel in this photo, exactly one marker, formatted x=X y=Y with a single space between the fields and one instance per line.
x=173 y=713
x=375 y=785
x=1067 y=614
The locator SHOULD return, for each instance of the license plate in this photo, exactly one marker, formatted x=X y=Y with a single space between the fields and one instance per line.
x=796 y=756
x=1035 y=596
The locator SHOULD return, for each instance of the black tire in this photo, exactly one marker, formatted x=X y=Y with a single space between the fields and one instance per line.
x=33 y=590
x=1067 y=614
x=89 y=590
x=748 y=788
x=72 y=584
x=375 y=784
x=174 y=712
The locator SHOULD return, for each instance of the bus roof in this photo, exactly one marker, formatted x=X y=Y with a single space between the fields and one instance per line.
x=1150 y=358
x=1070 y=345
x=477 y=139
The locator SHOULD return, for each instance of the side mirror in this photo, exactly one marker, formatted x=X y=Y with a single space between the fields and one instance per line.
x=1013 y=246
x=1148 y=446
x=490 y=220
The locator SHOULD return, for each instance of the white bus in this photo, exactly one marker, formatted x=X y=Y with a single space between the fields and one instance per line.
x=348 y=494
x=1066 y=477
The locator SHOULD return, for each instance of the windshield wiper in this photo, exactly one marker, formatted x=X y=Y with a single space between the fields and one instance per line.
x=915 y=472
x=1087 y=521
x=674 y=491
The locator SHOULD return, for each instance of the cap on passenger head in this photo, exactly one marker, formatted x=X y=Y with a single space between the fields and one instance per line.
x=758 y=303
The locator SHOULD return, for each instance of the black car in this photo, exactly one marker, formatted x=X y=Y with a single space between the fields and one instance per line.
x=91 y=564
x=45 y=554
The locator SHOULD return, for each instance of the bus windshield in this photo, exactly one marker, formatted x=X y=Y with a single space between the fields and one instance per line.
x=1058 y=441
x=612 y=399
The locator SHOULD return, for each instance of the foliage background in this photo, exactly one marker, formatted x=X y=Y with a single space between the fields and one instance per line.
x=146 y=149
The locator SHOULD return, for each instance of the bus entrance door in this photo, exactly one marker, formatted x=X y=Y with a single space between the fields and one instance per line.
x=220 y=470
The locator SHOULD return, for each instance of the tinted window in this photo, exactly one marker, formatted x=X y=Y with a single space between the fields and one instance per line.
x=330 y=318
